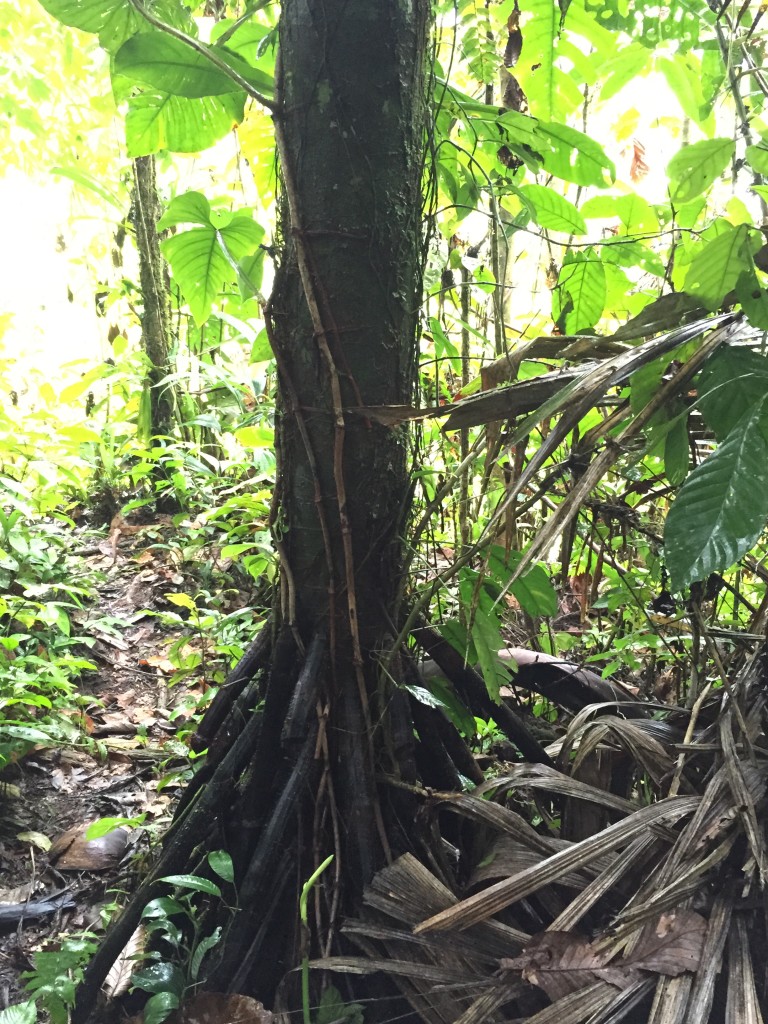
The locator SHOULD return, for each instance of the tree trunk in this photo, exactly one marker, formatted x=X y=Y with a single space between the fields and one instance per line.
x=343 y=322
x=153 y=273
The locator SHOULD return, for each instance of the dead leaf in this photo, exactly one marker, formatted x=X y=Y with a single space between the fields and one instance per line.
x=217 y=1008
x=561 y=962
x=672 y=944
x=72 y=852
x=118 y=980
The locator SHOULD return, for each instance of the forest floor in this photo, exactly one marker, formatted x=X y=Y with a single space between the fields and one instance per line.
x=53 y=880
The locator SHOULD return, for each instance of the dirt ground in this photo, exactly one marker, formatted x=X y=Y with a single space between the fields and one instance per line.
x=54 y=881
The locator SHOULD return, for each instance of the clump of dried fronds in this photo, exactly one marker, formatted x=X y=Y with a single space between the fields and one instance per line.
x=626 y=884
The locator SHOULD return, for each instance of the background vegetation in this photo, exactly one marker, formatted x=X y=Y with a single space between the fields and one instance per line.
x=589 y=444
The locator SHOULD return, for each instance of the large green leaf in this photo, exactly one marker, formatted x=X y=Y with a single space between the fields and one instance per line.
x=684 y=77
x=732 y=381
x=157 y=121
x=716 y=269
x=721 y=509
x=757 y=157
x=170 y=65
x=573 y=156
x=551 y=210
x=536 y=70
x=113 y=21
x=695 y=167
x=579 y=297
x=204 y=259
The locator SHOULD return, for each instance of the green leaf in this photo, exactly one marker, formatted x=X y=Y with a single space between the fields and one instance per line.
x=194 y=882
x=757 y=158
x=534 y=590
x=261 y=351
x=579 y=297
x=721 y=508
x=221 y=863
x=204 y=259
x=159 y=977
x=551 y=210
x=170 y=65
x=113 y=21
x=333 y=1009
x=716 y=269
x=21 y=1013
x=694 y=168
x=187 y=208
x=683 y=74
x=201 y=950
x=157 y=120
x=573 y=156
x=622 y=69
x=104 y=826
x=676 y=450
x=732 y=381
x=536 y=70
x=160 y=1007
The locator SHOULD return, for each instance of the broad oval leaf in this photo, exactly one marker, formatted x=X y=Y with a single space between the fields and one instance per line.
x=695 y=167
x=721 y=509
x=113 y=21
x=551 y=210
x=732 y=381
x=221 y=863
x=579 y=298
x=573 y=156
x=194 y=882
x=170 y=65
x=716 y=269
x=157 y=120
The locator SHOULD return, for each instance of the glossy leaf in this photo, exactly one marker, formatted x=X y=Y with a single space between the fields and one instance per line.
x=721 y=509
x=194 y=882
x=732 y=381
x=694 y=168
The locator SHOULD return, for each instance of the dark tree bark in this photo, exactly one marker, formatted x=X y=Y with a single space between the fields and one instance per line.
x=153 y=273
x=351 y=134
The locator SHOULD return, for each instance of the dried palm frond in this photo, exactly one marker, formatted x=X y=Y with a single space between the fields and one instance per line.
x=657 y=917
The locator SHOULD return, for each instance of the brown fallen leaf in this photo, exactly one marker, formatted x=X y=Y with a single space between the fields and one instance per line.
x=672 y=944
x=118 y=981
x=560 y=963
x=217 y=1008
x=563 y=962
x=71 y=851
